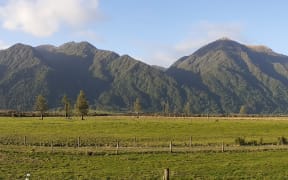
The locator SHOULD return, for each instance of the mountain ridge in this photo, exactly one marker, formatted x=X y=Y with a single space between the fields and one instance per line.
x=226 y=64
x=220 y=77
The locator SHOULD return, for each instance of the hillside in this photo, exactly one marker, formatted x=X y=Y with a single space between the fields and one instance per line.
x=236 y=75
x=220 y=77
x=109 y=80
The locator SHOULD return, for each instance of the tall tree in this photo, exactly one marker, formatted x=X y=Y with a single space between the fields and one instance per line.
x=243 y=109
x=166 y=108
x=66 y=105
x=82 y=104
x=187 y=109
x=137 y=106
x=41 y=105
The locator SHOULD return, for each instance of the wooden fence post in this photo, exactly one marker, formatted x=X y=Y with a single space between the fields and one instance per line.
x=222 y=146
x=171 y=147
x=117 y=147
x=78 y=141
x=166 y=174
x=52 y=146
x=25 y=141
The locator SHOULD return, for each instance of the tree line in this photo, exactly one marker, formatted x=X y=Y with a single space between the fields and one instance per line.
x=81 y=105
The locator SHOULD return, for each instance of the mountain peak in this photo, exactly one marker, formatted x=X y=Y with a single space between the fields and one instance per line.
x=224 y=39
x=21 y=49
x=20 y=45
x=78 y=48
x=223 y=44
x=82 y=44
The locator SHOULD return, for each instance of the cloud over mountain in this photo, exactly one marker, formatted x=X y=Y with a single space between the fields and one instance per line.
x=42 y=18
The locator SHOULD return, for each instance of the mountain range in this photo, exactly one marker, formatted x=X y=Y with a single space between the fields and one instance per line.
x=221 y=77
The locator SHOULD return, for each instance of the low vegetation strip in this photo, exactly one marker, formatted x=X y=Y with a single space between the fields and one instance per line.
x=100 y=151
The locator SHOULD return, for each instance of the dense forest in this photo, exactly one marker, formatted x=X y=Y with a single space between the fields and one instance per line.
x=221 y=77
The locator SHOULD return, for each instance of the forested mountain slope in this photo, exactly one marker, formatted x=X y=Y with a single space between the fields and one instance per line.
x=220 y=77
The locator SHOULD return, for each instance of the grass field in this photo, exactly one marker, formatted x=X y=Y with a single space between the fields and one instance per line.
x=236 y=165
x=102 y=132
x=106 y=130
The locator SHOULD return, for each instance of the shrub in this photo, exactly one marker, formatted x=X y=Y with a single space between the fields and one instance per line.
x=240 y=141
x=261 y=141
x=253 y=142
x=282 y=140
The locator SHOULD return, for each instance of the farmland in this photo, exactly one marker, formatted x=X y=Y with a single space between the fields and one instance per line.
x=56 y=148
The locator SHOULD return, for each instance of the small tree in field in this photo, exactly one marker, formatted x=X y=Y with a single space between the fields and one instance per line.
x=67 y=105
x=137 y=106
x=243 y=109
x=41 y=105
x=187 y=109
x=82 y=104
x=166 y=108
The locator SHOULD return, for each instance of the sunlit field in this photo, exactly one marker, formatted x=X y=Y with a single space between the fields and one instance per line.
x=137 y=148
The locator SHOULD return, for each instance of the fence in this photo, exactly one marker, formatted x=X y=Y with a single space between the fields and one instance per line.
x=134 y=145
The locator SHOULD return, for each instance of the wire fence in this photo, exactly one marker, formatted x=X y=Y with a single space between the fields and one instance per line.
x=98 y=146
x=116 y=148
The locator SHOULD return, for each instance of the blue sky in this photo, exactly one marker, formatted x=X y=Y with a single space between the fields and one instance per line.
x=154 y=31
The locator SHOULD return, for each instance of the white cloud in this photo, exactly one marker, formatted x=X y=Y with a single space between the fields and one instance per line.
x=42 y=18
x=199 y=35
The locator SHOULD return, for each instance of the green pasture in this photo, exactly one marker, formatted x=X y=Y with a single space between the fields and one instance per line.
x=66 y=161
x=143 y=131
x=211 y=165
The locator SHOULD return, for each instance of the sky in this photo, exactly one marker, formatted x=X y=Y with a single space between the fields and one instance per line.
x=157 y=32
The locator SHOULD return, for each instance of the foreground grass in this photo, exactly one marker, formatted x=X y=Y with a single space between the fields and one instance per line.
x=211 y=165
x=101 y=132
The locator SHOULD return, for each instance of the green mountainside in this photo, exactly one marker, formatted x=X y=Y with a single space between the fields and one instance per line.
x=235 y=75
x=220 y=77
x=110 y=81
